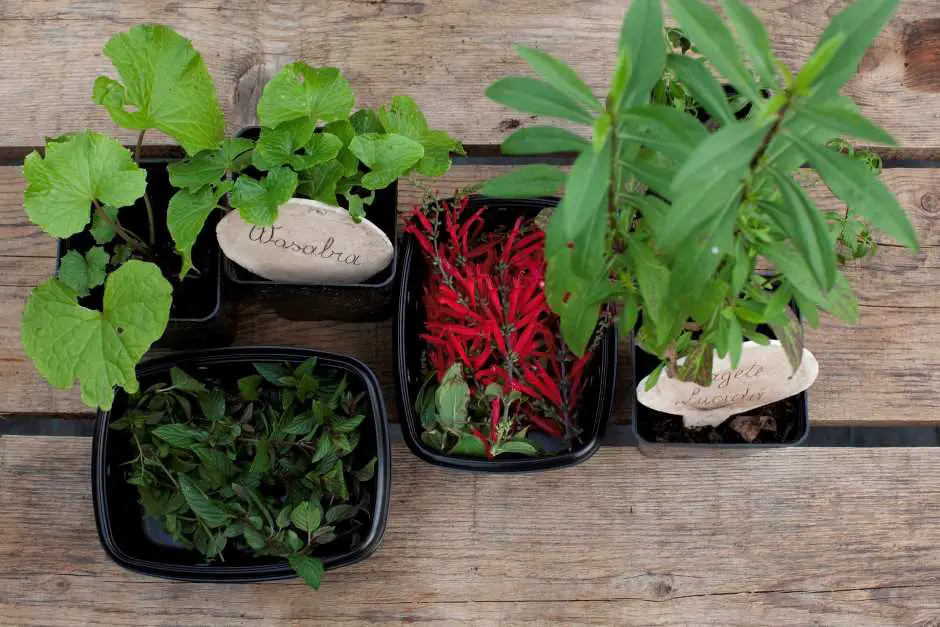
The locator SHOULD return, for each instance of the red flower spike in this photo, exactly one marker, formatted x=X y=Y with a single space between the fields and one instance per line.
x=544 y=425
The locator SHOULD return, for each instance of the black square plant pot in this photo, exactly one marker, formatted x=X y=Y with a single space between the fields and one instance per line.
x=644 y=417
x=139 y=543
x=199 y=317
x=367 y=301
x=598 y=396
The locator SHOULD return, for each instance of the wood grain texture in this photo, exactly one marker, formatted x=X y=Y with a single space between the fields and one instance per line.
x=443 y=53
x=621 y=539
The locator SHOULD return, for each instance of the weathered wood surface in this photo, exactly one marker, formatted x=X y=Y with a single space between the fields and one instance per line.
x=884 y=370
x=779 y=538
x=443 y=53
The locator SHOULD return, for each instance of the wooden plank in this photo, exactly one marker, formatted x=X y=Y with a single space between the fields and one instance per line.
x=880 y=371
x=443 y=53
x=777 y=537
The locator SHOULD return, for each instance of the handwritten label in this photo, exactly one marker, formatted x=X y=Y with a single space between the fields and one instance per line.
x=763 y=376
x=311 y=242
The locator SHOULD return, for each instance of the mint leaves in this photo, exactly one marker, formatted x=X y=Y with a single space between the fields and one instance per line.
x=99 y=348
x=76 y=171
x=300 y=91
x=166 y=87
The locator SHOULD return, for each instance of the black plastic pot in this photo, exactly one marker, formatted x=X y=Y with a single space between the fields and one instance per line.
x=644 y=364
x=352 y=302
x=199 y=317
x=598 y=397
x=139 y=543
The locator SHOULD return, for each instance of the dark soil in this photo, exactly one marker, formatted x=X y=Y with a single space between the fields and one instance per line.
x=785 y=427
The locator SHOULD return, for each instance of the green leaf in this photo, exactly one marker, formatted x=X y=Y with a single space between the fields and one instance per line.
x=817 y=64
x=272 y=372
x=300 y=91
x=335 y=482
x=77 y=170
x=366 y=121
x=186 y=216
x=727 y=151
x=209 y=166
x=67 y=341
x=694 y=207
x=347 y=425
x=536 y=179
x=713 y=39
x=343 y=130
x=652 y=278
x=341 y=512
x=277 y=146
x=664 y=129
x=468 y=445
x=861 y=190
x=578 y=321
x=698 y=257
x=403 y=117
x=641 y=36
x=735 y=341
x=84 y=273
x=520 y=447
x=321 y=148
x=452 y=398
x=586 y=187
x=253 y=538
x=753 y=38
x=319 y=183
x=258 y=201
x=179 y=435
x=437 y=148
x=100 y=229
x=790 y=335
x=537 y=140
x=307 y=516
x=261 y=463
x=808 y=231
x=324 y=448
x=212 y=404
x=557 y=74
x=366 y=472
x=845 y=122
x=702 y=85
x=166 y=86
x=840 y=301
x=310 y=569
x=207 y=511
x=248 y=386
x=531 y=95
x=184 y=382
x=860 y=22
x=388 y=157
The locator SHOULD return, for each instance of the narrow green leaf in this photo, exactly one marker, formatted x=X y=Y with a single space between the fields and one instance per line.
x=703 y=86
x=817 y=64
x=184 y=382
x=790 y=335
x=753 y=38
x=845 y=122
x=860 y=22
x=810 y=234
x=694 y=207
x=531 y=95
x=179 y=435
x=861 y=190
x=713 y=39
x=543 y=140
x=585 y=189
x=536 y=179
x=248 y=386
x=557 y=74
x=578 y=321
x=520 y=447
x=641 y=35
x=726 y=152
x=212 y=404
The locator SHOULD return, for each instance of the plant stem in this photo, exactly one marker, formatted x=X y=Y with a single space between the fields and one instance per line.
x=150 y=222
x=132 y=241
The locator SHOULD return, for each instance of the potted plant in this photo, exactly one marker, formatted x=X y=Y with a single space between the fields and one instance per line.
x=702 y=233
x=484 y=379
x=243 y=465
x=352 y=161
x=127 y=244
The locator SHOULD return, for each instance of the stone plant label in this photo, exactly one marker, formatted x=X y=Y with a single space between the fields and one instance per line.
x=763 y=376
x=311 y=242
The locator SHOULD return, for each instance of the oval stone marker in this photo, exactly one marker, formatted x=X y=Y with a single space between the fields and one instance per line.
x=763 y=376
x=311 y=242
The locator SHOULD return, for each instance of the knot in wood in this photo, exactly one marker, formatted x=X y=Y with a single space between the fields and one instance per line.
x=930 y=202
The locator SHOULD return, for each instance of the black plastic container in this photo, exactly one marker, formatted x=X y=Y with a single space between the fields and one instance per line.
x=644 y=364
x=138 y=543
x=352 y=302
x=199 y=317
x=598 y=397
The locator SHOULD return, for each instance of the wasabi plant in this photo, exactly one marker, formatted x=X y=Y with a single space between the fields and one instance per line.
x=669 y=215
